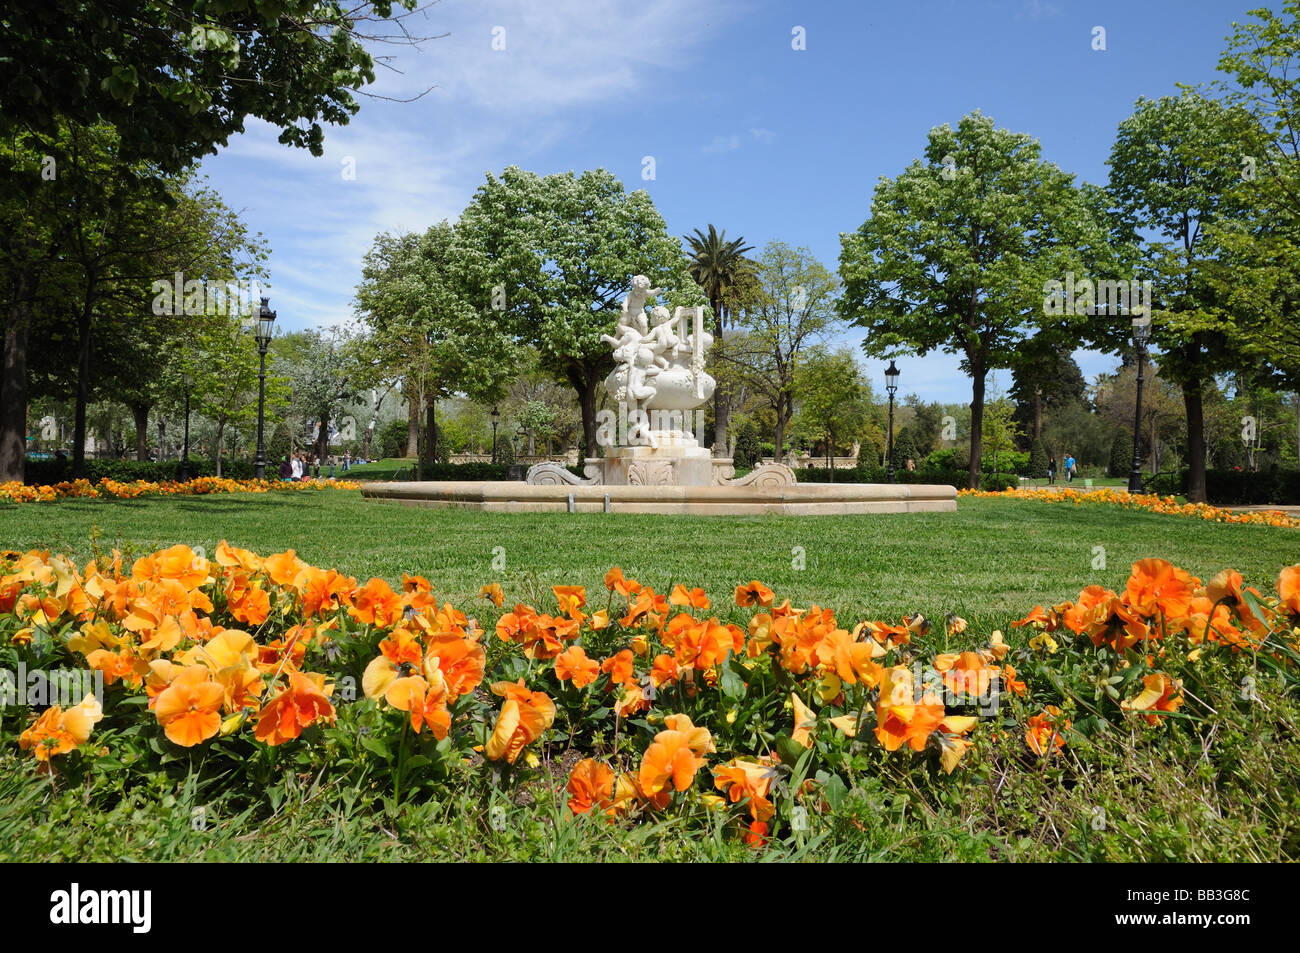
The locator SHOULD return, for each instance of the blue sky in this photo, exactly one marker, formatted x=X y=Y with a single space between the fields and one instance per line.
x=746 y=132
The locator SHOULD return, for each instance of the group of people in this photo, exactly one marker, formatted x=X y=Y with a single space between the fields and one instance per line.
x=1071 y=469
x=304 y=466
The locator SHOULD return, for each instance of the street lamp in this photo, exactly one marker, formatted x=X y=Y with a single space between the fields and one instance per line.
x=188 y=380
x=265 y=323
x=495 y=416
x=1141 y=334
x=891 y=385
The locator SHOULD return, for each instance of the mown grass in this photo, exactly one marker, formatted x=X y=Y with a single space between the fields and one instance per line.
x=1226 y=786
x=990 y=560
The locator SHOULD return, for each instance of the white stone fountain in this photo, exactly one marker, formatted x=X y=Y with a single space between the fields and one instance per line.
x=657 y=384
x=654 y=462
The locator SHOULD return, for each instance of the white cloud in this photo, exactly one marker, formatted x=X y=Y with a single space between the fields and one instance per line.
x=722 y=144
x=419 y=162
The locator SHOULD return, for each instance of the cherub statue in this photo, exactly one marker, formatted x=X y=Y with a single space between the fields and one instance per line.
x=640 y=391
x=662 y=338
x=633 y=313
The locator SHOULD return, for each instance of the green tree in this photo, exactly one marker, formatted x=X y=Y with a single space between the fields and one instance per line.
x=748 y=452
x=179 y=77
x=718 y=265
x=1000 y=433
x=785 y=303
x=1174 y=170
x=424 y=328
x=549 y=259
x=958 y=248
x=1121 y=453
x=833 y=398
x=905 y=447
x=223 y=364
x=1037 y=461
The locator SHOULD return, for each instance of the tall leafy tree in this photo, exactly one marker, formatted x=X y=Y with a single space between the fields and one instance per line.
x=958 y=247
x=423 y=327
x=786 y=304
x=549 y=258
x=834 y=399
x=1175 y=168
x=177 y=78
x=718 y=266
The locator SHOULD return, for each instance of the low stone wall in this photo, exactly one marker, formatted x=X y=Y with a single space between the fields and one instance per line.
x=820 y=499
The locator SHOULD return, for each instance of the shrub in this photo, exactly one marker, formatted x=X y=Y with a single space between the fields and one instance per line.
x=469 y=472
x=1037 y=469
x=904 y=448
x=49 y=472
x=747 y=447
x=392 y=439
x=1121 y=453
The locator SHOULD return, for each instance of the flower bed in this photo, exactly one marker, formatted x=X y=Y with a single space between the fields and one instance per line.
x=243 y=666
x=1142 y=501
x=201 y=486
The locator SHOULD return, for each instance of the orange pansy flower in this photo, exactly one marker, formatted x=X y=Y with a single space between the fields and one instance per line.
x=376 y=604
x=302 y=703
x=694 y=598
x=1043 y=732
x=573 y=665
x=669 y=758
x=189 y=708
x=755 y=593
x=619 y=667
x=591 y=784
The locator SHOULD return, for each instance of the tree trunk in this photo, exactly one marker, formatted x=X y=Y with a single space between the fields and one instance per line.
x=585 y=379
x=365 y=443
x=141 y=414
x=13 y=398
x=1038 y=414
x=412 y=429
x=162 y=442
x=1193 y=402
x=976 y=424
x=83 y=380
x=431 y=428
x=778 y=436
x=721 y=397
x=221 y=429
x=322 y=438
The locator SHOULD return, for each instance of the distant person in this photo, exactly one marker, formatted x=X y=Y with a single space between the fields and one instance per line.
x=1069 y=468
x=347 y=460
x=1051 y=470
x=911 y=464
x=295 y=468
x=286 y=468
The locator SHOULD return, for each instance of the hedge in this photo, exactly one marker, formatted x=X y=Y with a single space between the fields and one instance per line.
x=1236 y=487
x=49 y=472
x=950 y=477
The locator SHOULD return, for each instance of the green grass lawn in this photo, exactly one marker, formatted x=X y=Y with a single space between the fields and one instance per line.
x=389 y=468
x=989 y=560
x=1222 y=788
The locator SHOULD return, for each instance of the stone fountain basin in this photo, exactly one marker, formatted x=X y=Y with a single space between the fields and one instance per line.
x=802 y=499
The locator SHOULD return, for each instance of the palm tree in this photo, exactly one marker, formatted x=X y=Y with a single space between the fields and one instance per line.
x=716 y=264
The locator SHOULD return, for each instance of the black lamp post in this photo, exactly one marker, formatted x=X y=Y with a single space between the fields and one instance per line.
x=265 y=323
x=1141 y=334
x=891 y=385
x=495 y=417
x=185 y=451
